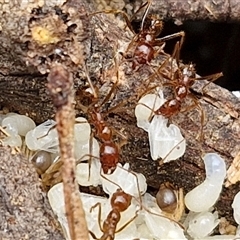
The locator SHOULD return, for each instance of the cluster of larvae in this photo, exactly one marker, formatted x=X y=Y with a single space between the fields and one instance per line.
x=147 y=217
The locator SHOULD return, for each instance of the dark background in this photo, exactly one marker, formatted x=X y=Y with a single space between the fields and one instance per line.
x=213 y=47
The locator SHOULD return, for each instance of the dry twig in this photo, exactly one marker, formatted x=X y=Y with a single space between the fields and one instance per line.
x=60 y=85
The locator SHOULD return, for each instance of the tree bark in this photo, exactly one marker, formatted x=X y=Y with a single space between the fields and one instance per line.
x=31 y=43
x=210 y=10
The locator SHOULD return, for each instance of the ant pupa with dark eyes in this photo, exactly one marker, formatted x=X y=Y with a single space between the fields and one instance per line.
x=145 y=45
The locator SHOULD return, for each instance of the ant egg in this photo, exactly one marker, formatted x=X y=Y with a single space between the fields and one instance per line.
x=82 y=130
x=202 y=224
x=236 y=208
x=165 y=141
x=166 y=199
x=204 y=196
x=41 y=160
x=145 y=107
x=18 y=124
x=43 y=137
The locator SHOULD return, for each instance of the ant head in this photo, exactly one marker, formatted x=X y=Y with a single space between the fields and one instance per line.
x=153 y=25
x=121 y=200
x=189 y=71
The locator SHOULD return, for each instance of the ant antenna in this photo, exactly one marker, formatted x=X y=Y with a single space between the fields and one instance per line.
x=146 y=12
x=89 y=81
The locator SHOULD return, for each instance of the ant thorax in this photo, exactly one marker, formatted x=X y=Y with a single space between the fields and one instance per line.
x=181 y=92
x=166 y=141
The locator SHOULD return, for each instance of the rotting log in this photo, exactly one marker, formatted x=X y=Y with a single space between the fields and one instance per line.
x=78 y=38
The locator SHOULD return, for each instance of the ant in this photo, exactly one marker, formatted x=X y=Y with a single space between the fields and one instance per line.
x=141 y=48
x=120 y=202
x=109 y=150
x=181 y=80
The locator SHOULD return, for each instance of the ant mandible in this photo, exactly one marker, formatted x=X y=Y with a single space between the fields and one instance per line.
x=141 y=48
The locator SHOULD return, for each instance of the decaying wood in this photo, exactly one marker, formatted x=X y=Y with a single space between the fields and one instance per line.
x=96 y=39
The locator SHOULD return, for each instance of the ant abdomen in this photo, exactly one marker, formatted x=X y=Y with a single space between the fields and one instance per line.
x=109 y=156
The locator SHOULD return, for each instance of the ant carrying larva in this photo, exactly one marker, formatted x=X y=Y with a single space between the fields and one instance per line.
x=165 y=140
x=181 y=78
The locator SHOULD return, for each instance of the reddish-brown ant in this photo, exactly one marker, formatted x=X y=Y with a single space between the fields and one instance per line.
x=141 y=49
x=120 y=201
x=182 y=80
x=109 y=150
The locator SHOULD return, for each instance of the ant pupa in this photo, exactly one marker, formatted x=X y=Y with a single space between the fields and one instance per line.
x=145 y=45
x=170 y=200
x=41 y=160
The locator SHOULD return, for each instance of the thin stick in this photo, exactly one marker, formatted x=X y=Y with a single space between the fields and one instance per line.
x=60 y=85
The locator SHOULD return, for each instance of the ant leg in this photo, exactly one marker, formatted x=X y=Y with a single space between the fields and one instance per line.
x=113 y=88
x=159 y=41
x=150 y=78
x=196 y=104
x=90 y=82
x=175 y=147
x=92 y=235
x=210 y=78
x=90 y=153
x=128 y=222
x=148 y=3
x=4 y=132
x=51 y=128
x=99 y=214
